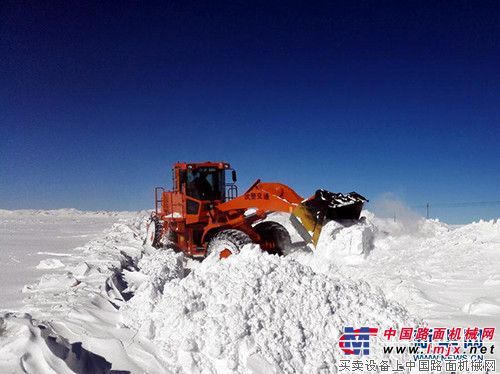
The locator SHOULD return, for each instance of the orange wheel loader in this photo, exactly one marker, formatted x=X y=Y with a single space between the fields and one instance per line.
x=204 y=214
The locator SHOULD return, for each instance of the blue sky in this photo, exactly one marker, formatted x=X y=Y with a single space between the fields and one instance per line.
x=97 y=101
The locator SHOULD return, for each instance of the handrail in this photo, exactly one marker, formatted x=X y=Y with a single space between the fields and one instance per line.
x=231 y=192
x=156 y=197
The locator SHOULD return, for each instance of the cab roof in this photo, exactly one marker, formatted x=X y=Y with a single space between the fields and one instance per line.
x=194 y=165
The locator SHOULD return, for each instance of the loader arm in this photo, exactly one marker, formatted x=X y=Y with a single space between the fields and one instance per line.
x=307 y=215
x=264 y=197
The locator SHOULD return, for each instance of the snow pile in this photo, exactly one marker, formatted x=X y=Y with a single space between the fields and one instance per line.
x=345 y=242
x=157 y=267
x=256 y=311
x=50 y=264
x=161 y=266
x=483 y=307
x=484 y=231
x=439 y=272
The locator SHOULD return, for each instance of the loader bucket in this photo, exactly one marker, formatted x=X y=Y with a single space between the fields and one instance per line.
x=309 y=216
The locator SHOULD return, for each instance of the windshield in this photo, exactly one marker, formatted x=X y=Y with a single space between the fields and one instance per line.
x=205 y=183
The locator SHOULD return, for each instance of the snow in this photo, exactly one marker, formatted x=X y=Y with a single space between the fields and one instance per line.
x=79 y=304
x=29 y=236
x=50 y=264
x=255 y=309
x=126 y=306
x=434 y=269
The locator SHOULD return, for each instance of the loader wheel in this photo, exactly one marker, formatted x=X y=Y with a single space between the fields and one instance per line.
x=227 y=242
x=275 y=238
x=153 y=232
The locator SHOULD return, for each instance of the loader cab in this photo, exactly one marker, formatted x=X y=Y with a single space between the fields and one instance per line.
x=205 y=181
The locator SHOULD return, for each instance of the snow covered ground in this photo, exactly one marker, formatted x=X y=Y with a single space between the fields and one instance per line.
x=32 y=240
x=443 y=274
x=114 y=303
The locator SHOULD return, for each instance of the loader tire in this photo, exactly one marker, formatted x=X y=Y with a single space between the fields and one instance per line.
x=227 y=242
x=153 y=232
x=277 y=234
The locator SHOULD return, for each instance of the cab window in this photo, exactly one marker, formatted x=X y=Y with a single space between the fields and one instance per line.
x=205 y=183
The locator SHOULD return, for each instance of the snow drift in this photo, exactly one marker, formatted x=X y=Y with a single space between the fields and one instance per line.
x=29 y=346
x=125 y=306
x=255 y=312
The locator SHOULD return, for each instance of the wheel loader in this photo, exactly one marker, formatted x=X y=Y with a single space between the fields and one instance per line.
x=205 y=214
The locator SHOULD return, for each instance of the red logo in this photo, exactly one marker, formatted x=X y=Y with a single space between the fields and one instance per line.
x=357 y=342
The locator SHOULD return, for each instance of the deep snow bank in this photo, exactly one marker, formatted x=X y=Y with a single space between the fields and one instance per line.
x=442 y=273
x=78 y=305
x=28 y=237
x=255 y=311
x=140 y=309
